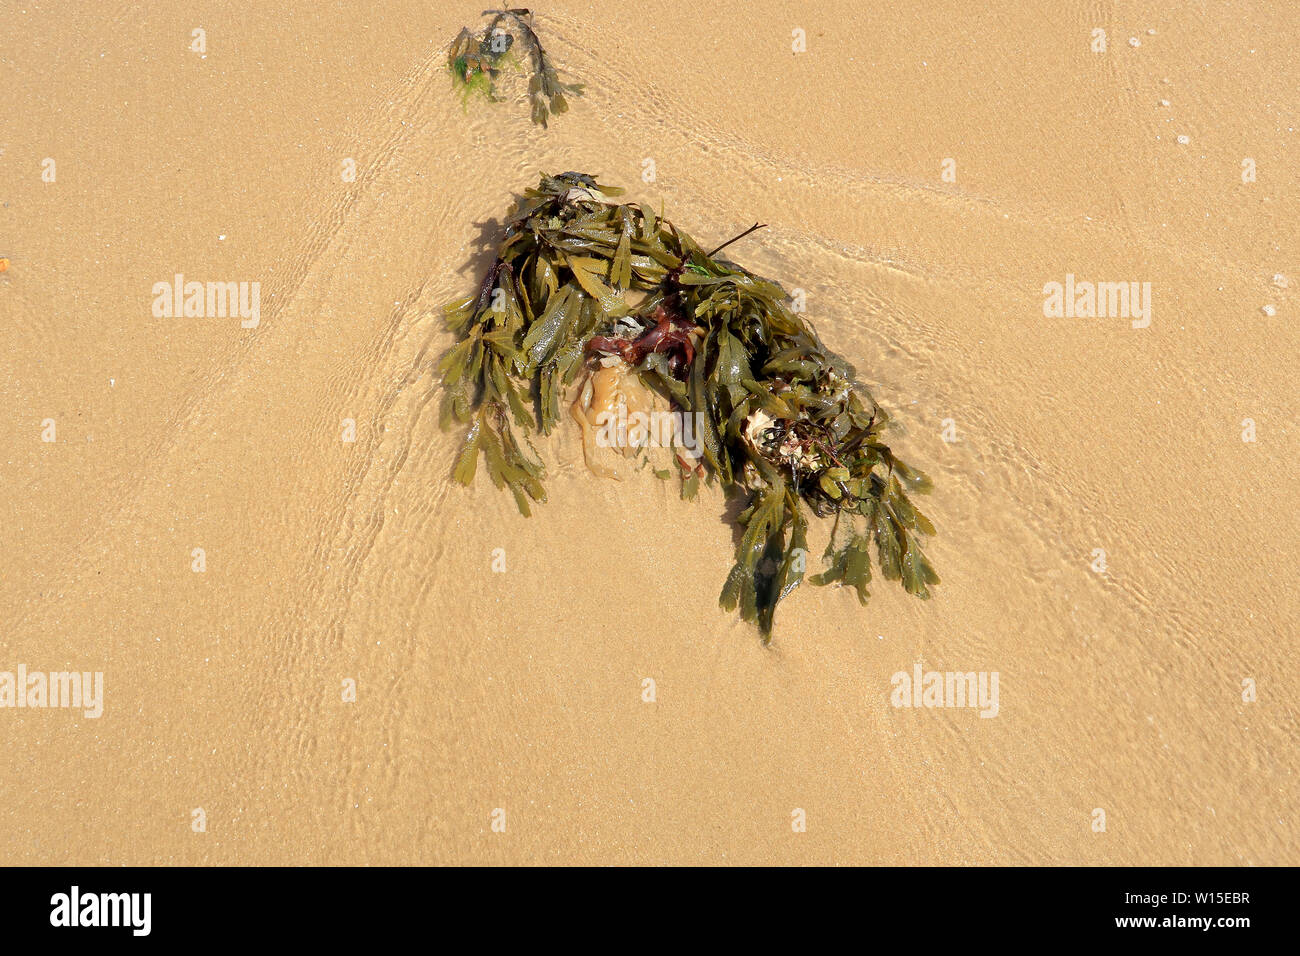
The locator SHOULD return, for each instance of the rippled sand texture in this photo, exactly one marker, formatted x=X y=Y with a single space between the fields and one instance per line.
x=522 y=690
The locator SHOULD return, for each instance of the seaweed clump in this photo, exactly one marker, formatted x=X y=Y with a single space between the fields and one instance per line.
x=581 y=282
x=476 y=62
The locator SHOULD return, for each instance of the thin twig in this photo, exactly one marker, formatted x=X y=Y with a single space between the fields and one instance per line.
x=754 y=228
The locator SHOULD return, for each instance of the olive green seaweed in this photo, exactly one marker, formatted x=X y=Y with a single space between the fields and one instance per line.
x=784 y=425
x=475 y=62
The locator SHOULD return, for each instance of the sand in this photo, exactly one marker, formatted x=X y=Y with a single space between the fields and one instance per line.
x=1160 y=691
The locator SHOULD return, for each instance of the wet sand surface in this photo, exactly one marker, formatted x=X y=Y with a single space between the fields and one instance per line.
x=1160 y=691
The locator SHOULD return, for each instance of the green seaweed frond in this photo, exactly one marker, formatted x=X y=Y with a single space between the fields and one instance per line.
x=782 y=421
x=476 y=62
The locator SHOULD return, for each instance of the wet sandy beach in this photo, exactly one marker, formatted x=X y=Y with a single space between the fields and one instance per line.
x=182 y=512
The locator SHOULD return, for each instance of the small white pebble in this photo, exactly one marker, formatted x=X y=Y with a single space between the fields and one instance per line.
x=1134 y=42
x=1151 y=31
x=1280 y=281
x=1184 y=140
x=1164 y=102
x=1269 y=311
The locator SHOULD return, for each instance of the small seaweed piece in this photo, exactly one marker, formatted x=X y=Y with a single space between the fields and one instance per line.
x=475 y=62
x=781 y=420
